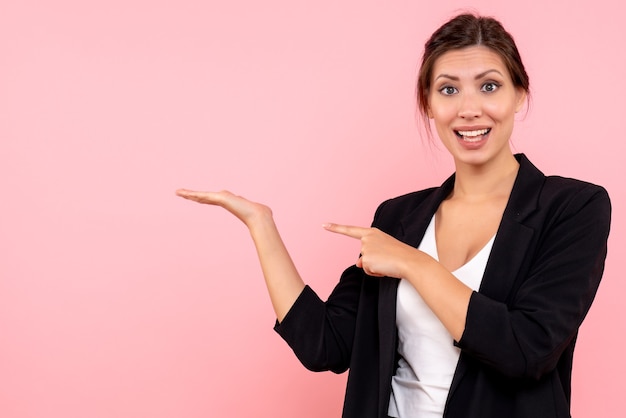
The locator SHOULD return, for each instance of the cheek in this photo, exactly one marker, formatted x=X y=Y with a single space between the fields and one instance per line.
x=441 y=122
x=500 y=111
x=442 y=127
x=442 y=114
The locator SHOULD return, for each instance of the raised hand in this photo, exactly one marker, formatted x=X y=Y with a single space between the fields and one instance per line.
x=244 y=209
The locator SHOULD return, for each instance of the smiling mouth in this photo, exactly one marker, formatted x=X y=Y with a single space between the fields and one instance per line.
x=472 y=136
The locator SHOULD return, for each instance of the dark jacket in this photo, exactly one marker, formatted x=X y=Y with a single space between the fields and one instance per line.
x=517 y=347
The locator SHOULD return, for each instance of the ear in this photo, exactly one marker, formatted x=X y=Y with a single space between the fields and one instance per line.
x=520 y=98
x=429 y=112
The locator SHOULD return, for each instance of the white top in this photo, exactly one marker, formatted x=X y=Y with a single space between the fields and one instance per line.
x=428 y=356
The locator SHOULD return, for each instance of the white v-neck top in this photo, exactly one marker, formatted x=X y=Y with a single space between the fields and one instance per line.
x=428 y=356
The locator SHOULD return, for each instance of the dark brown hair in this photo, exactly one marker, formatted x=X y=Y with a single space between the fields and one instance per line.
x=463 y=31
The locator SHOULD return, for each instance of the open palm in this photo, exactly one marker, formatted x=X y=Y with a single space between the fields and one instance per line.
x=242 y=208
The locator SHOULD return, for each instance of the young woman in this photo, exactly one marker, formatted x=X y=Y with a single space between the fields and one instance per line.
x=467 y=298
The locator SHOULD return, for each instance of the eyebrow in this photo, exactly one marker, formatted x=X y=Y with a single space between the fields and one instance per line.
x=478 y=76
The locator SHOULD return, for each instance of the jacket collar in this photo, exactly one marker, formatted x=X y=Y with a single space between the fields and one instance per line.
x=525 y=194
x=513 y=236
x=522 y=202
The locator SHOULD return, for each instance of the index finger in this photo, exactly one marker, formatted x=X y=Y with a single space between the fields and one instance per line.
x=356 y=232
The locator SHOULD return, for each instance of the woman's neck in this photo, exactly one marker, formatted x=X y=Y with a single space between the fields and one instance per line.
x=486 y=181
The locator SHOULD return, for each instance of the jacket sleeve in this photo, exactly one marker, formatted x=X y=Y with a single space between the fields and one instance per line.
x=525 y=337
x=321 y=333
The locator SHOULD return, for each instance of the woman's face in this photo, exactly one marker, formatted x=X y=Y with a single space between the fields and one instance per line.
x=473 y=102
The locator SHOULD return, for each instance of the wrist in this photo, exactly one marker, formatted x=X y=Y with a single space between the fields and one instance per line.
x=416 y=267
x=260 y=221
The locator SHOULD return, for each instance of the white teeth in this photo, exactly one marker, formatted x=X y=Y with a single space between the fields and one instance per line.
x=472 y=136
x=473 y=133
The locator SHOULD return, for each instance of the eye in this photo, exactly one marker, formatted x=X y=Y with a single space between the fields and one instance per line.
x=448 y=90
x=490 y=87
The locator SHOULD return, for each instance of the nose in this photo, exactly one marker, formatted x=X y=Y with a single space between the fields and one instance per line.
x=470 y=106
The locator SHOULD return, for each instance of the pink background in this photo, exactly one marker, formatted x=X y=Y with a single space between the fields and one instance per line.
x=118 y=299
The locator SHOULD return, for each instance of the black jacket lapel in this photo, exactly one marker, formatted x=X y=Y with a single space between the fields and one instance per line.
x=511 y=243
x=412 y=229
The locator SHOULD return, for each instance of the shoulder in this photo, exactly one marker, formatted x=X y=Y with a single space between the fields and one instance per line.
x=572 y=206
x=572 y=193
x=572 y=185
x=553 y=194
